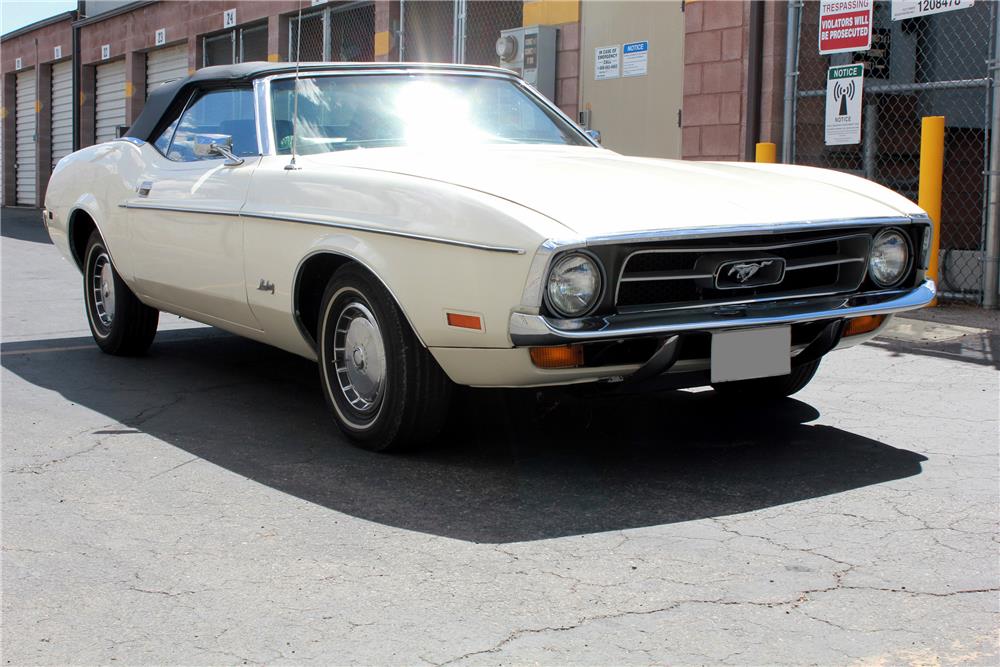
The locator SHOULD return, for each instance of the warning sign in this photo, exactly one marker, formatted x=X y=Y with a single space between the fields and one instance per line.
x=635 y=59
x=607 y=62
x=844 y=85
x=845 y=25
x=907 y=9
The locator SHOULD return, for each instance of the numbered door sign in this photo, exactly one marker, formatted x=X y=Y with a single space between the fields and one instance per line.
x=907 y=9
x=845 y=25
x=844 y=85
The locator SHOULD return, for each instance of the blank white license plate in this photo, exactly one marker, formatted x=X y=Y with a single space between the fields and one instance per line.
x=751 y=353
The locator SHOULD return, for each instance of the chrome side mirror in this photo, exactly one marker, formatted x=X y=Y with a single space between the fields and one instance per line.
x=595 y=135
x=207 y=146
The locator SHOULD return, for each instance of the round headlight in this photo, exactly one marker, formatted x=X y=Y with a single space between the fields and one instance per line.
x=890 y=258
x=574 y=285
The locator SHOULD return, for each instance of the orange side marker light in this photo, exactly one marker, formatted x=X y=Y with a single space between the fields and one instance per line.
x=465 y=321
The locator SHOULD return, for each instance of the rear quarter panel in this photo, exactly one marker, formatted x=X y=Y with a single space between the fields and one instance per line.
x=96 y=180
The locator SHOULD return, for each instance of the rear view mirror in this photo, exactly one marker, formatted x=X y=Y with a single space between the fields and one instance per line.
x=207 y=146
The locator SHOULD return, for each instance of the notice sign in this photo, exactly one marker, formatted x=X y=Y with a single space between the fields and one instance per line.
x=635 y=59
x=845 y=25
x=843 y=104
x=907 y=9
x=606 y=62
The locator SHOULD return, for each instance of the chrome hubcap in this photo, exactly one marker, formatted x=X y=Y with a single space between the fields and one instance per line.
x=104 y=289
x=359 y=357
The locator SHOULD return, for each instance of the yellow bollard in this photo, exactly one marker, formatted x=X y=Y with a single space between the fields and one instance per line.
x=766 y=152
x=931 y=171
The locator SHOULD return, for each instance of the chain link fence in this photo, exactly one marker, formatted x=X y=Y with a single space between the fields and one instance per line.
x=455 y=31
x=936 y=65
x=343 y=32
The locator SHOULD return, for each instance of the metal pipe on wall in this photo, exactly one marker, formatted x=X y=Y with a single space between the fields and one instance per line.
x=791 y=81
x=76 y=75
x=991 y=249
x=755 y=48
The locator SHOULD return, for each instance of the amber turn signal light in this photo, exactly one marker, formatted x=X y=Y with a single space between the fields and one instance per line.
x=560 y=356
x=465 y=321
x=862 y=325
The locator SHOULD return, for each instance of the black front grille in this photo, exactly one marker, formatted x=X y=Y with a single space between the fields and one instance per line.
x=686 y=274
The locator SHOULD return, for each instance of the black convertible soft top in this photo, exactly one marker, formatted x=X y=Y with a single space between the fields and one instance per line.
x=165 y=97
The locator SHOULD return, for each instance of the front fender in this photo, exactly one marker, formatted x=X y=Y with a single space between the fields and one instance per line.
x=437 y=248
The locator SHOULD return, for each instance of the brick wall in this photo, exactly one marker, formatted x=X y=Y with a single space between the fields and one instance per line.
x=713 y=115
x=716 y=60
x=132 y=34
x=24 y=46
x=568 y=68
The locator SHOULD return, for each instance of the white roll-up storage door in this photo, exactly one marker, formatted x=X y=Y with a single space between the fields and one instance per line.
x=24 y=128
x=165 y=65
x=109 y=102
x=62 y=110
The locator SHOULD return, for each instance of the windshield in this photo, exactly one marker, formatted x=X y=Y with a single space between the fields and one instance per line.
x=373 y=111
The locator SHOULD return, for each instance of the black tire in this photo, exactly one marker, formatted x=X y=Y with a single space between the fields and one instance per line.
x=404 y=406
x=128 y=328
x=772 y=388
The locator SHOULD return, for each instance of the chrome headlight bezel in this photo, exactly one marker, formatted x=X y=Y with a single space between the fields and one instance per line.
x=907 y=264
x=598 y=291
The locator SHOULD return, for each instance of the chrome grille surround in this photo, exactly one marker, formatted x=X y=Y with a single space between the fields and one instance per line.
x=679 y=276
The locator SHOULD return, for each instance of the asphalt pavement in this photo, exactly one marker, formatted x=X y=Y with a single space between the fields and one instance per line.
x=198 y=506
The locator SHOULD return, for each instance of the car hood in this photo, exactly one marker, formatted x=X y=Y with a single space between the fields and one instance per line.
x=596 y=192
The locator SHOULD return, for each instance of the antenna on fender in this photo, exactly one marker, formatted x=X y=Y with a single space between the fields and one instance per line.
x=291 y=166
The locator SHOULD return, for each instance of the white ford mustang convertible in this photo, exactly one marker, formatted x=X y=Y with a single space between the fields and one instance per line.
x=412 y=227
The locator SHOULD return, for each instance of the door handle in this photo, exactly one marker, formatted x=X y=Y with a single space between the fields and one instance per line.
x=144 y=188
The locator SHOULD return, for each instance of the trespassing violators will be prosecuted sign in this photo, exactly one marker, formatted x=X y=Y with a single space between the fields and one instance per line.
x=845 y=25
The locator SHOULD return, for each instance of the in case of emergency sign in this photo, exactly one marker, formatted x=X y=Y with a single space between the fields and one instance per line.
x=845 y=25
x=844 y=85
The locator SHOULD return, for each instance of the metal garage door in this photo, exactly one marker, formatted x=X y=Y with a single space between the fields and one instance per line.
x=24 y=127
x=109 y=100
x=62 y=110
x=165 y=65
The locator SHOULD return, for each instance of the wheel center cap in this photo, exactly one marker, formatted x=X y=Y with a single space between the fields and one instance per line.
x=359 y=358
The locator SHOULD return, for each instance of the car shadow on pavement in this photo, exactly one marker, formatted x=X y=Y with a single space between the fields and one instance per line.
x=500 y=473
x=23 y=224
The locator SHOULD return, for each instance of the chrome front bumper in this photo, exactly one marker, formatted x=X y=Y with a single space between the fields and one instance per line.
x=540 y=330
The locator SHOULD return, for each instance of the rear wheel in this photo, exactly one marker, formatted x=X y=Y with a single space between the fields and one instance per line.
x=120 y=323
x=764 y=389
x=386 y=391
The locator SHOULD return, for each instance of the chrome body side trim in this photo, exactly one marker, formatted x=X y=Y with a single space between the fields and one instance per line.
x=526 y=329
x=326 y=223
x=262 y=107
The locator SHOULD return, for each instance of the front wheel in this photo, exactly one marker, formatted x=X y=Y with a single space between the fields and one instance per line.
x=386 y=391
x=120 y=323
x=764 y=389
